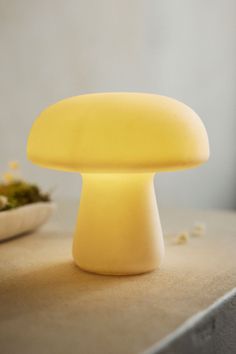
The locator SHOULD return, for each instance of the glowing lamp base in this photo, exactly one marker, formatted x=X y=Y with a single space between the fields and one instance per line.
x=118 y=229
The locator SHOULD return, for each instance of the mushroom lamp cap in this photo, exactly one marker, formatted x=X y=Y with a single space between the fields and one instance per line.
x=118 y=132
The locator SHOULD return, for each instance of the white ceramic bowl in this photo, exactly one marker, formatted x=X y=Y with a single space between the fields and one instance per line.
x=24 y=219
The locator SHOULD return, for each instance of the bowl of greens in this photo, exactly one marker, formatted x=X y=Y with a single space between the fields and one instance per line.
x=23 y=205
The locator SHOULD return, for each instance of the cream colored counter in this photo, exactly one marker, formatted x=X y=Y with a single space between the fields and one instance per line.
x=48 y=305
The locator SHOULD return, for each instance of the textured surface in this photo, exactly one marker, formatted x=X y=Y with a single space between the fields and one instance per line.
x=48 y=305
x=211 y=331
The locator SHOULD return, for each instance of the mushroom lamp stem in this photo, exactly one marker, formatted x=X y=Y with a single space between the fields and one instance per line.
x=118 y=229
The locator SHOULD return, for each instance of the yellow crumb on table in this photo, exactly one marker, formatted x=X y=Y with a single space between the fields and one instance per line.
x=181 y=238
x=199 y=229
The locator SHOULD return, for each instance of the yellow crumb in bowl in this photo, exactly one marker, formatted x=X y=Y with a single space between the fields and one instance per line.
x=181 y=238
x=3 y=201
x=8 y=177
x=14 y=165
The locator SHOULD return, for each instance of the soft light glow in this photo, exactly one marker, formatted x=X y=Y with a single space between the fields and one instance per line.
x=118 y=141
x=118 y=229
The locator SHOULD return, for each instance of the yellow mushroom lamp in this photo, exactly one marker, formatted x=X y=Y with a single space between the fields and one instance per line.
x=118 y=141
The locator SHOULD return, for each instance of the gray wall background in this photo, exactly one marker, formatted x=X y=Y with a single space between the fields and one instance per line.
x=51 y=49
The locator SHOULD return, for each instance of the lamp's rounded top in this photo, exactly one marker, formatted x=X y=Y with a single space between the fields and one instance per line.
x=118 y=132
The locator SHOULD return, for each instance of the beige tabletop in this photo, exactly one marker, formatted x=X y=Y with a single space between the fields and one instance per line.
x=48 y=305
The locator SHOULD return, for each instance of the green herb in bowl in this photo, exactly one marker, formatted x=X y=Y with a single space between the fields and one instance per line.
x=15 y=192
